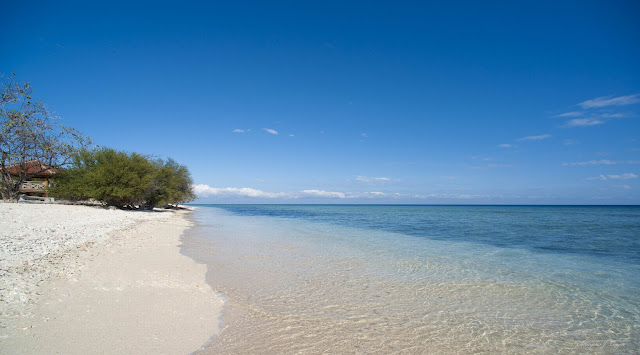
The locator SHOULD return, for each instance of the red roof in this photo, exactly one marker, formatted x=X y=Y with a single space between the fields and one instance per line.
x=34 y=168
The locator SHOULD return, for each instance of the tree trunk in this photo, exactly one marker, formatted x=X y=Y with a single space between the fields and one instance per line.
x=10 y=189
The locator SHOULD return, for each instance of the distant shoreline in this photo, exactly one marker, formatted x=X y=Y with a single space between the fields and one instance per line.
x=407 y=204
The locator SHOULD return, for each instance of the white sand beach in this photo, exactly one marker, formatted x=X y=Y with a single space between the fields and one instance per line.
x=79 y=279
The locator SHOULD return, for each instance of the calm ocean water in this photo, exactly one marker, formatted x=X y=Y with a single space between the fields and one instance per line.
x=422 y=279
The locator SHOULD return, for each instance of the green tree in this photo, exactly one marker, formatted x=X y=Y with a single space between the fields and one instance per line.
x=115 y=178
x=124 y=180
x=30 y=132
x=171 y=184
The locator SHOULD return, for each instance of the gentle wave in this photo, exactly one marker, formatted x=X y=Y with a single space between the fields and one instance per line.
x=421 y=279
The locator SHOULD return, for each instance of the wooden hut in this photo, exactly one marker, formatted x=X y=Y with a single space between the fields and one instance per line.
x=34 y=169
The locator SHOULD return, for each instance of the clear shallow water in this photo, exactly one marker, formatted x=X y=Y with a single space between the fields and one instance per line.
x=422 y=279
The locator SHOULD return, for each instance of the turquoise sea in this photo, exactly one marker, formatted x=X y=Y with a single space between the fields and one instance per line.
x=309 y=279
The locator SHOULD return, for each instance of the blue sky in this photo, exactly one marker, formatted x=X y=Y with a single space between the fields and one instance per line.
x=351 y=102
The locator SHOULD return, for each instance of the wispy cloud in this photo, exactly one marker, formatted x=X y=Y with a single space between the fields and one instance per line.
x=625 y=176
x=605 y=101
x=598 y=111
x=584 y=122
x=614 y=115
x=203 y=190
x=570 y=114
x=270 y=131
x=505 y=145
x=238 y=130
x=324 y=194
x=535 y=138
x=454 y=196
x=602 y=162
x=372 y=179
x=595 y=119
x=591 y=162
x=206 y=191
x=479 y=157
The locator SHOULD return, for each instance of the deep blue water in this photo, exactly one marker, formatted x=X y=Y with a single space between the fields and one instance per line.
x=605 y=231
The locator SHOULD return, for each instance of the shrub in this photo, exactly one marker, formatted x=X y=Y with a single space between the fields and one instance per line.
x=127 y=180
x=171 y=184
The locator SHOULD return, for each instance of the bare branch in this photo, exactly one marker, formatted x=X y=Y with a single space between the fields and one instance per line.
x=30 y=132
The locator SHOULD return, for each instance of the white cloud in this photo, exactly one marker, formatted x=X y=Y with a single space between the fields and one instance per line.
x=479 y=157
x=613 y=115
x=372 y=179
x=343 y=195
x=505 y=145
x=604 y=101
x=204 y=190
x=601 y=177
x=584 y=122
x=535 y=138
x=238 y=130
x=364 y=135
x=595 y=119
x=591 y=162
x=570 y=114
x=324 y=194
x=602 y=162
x=292 y=135
x=271 y=131
x=625 y=176
x=453 y=196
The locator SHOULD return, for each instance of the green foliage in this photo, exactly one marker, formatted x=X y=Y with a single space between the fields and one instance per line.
x=124 y=180
x=171 y=184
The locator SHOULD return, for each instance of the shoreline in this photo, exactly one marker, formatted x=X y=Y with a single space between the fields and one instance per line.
x=79 y=279
x=299 y=280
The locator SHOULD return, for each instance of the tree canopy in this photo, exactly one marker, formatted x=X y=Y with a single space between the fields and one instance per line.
x=30 y=132
x=122 y=179
x=33 y=140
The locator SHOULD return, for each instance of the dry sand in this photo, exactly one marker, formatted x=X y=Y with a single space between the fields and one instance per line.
x=77 y=279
